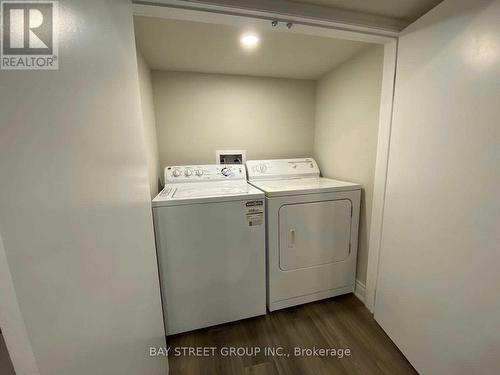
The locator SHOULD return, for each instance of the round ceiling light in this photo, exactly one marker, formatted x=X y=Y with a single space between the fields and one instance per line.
x=249 y=40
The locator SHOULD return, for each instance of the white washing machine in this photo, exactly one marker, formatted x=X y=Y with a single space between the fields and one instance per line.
x=312 y=231
x=210 y=238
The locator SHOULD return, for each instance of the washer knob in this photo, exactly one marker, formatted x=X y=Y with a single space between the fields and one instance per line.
x=226 y=171
x=176 y=173
x=198 y=172
x=262 y=168
x=188 y=172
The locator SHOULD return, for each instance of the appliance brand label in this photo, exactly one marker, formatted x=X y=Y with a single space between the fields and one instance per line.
x=255 y=219
x=254 y=203
x=255 y=213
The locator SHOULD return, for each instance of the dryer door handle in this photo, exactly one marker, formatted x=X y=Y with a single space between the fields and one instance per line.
x=291 y=238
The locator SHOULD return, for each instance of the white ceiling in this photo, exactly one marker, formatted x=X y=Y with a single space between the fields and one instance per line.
x=408 y=10
x=209 y=48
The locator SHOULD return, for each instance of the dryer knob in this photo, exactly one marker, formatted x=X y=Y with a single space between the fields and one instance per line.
x=226 y=172
x=188 y=172
x=176 y=173
x=198 y=172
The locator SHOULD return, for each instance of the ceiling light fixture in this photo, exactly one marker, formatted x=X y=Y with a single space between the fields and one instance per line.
x=249 y=40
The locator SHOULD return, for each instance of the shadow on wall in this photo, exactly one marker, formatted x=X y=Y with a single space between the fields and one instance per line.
x=6 y=367
x=363 y=234
x=160 y=185
x=346 y=132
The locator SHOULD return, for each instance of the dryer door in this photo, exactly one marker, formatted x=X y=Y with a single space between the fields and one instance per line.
x=315 y=233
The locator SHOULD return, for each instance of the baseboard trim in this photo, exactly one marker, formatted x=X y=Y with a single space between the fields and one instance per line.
x=360 y=290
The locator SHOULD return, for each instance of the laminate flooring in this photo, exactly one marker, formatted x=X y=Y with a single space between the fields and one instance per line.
x=338 y=323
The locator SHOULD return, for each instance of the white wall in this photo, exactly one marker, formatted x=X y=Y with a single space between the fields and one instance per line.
x=438 y=294
x=197 y=114
x=149 y=122
x=75 y=216
x=346 y=131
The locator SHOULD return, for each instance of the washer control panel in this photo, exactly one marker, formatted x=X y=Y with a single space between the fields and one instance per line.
x=210 y=172
x=282 y=169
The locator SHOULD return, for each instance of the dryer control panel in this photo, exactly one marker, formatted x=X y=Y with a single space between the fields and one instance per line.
x=281 y=169
x=204 y=173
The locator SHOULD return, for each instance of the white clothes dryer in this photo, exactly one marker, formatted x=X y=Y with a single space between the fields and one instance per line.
x=312 y=231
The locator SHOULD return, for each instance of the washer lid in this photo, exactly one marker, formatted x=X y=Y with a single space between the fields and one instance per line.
x=189 y=193
x=315 y=185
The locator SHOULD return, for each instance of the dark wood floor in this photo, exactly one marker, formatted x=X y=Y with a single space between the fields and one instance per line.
x=340 y=322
